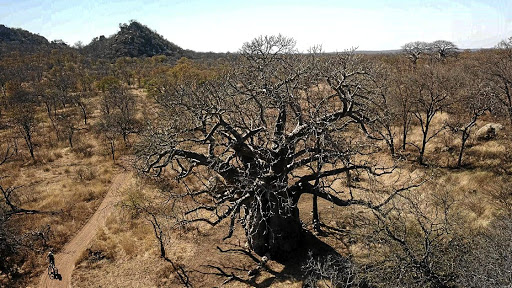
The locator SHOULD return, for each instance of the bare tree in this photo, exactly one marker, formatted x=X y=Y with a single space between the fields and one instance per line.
x=433 y=86
x=117 y=112
x=68 y=121
x=443 y=49
x=413 y=50
x=415 y=242
x=155 y=216
x=505 y=44
x=387 y=108
x=15 y=245
x=499 y=66
x=248 y=137
x=488 y=260
x=472 y=101
x=23 y=107
x=330 y=271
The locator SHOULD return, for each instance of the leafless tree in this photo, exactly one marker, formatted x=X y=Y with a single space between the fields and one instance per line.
x=117 y=113
x=68 y=122
x=488 y=260
x=402 y=101
x=160 y=223
x=413 y=50
x=118 y=108
x=388 y=106
x=415 y=242
x=433 y=87
x=249 y=137
x=443 y=49
x=23 y=105
x=499 y=66
x=505 y=44
x=11 y=239
x=330 y=271
x=473 y=99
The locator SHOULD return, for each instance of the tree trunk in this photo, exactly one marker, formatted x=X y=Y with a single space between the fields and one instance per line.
x=404 y=133
x=510 y=114
x=70 y=138
x=113 y=150
x=84 y=113
x=125 y=138
x=52 y=120
x=30 y=146
x=465 y=136
x=277 y=231
x=28 y=140
x=424 y=143
x=316 y=218
x=391 y=145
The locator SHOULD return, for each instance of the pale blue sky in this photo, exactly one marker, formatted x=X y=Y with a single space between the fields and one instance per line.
x=225 y=25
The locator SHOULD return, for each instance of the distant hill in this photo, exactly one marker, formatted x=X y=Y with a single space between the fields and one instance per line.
x=17 y=39
x=21 y=37
x=133 y=40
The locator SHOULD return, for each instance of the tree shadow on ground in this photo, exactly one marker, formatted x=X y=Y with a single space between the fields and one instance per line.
x=263 y=275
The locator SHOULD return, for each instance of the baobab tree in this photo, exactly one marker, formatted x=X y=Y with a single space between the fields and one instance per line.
x=413 y=50
x=443 y=49
x=278 y=125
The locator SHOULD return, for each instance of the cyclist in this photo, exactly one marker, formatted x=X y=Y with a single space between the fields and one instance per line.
x=51 y=258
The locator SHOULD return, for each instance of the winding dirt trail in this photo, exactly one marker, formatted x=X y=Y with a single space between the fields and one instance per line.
x=66 y=259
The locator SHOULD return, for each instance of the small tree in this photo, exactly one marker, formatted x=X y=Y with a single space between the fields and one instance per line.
x=498 y=67
x=472 y=101
x=433 y=88
x=118 y=111
x=23 y=109
x=415 y=242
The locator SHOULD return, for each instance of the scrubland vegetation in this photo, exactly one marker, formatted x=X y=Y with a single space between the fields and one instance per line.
x=268 y=167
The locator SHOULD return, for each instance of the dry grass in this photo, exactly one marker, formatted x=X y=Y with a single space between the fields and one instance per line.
x=53 y=185
x=197 y=247
x=69 y=182
x=125 y=253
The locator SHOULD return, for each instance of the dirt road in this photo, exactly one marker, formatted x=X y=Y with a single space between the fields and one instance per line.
x=66 y=259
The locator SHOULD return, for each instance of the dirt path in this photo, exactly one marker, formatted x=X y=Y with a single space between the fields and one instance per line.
x=66 y=259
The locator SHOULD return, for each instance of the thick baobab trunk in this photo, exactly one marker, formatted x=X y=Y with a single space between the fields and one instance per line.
x=273 y=227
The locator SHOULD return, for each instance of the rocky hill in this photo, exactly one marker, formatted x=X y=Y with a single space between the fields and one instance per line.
x=17 y=39
x=20 y=36
x=133 y=40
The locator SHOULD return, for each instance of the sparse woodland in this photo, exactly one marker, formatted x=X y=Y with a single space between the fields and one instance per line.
x=268 y=167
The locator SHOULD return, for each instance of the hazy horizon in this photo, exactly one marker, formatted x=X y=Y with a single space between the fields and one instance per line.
x=223 y=26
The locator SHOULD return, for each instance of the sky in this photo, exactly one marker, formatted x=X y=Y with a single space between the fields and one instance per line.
x=224 y=25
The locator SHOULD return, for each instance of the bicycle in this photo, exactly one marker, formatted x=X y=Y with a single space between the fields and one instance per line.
x=53 y=272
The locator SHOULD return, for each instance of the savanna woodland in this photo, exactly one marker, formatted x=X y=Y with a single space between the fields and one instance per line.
x=266 y=167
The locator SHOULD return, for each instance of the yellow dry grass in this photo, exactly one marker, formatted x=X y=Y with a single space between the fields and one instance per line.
x=75 y=183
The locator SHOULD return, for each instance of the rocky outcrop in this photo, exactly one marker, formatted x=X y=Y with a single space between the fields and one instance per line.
x=488 y=131
x=133 y=40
